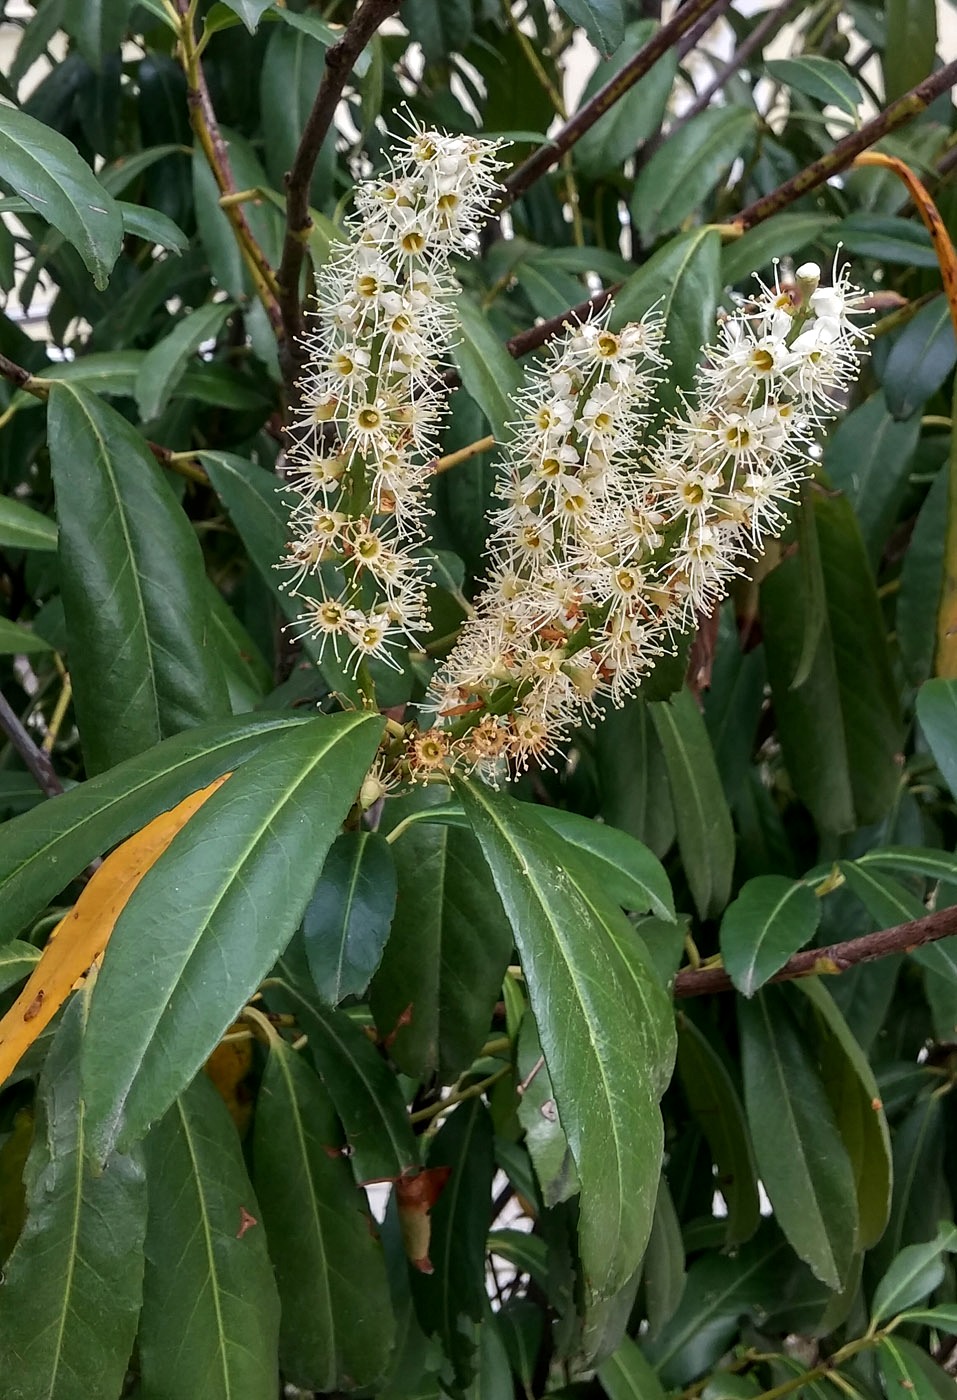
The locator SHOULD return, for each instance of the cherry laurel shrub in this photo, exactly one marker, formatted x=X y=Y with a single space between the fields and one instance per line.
x=477 y=693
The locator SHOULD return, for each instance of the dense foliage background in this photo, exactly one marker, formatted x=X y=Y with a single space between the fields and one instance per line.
x=370 y=991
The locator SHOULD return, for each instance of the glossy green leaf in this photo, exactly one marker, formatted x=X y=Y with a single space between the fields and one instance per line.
x=210 y=1311
x=97 y=26
x=626 y=1375
x=442 y=27
x=336 y=1323
x=705 y=832
x=868 y=457
x=801 y=1158
x=590 y=987
x=921 y=584
x=632 y=777
x=72 y=1286
x=153 y=227
x=921 y=1198
x=856 y=1103
x=602 y=20
x=17 y=961
x=943 y=1316
x=820 y=78
x=771 y=918
x=489 y=374
x=908 y=53
x=22 y=527
x=907 y=1367
x=937 y=713
x=914 y=1274
x=626 y=870
x=920 y=359
x=248 y=676
x=44 y=849
x=638 y=112
x=120 y=174
x=249 y=11
x=209 y=919
x=686 y=168
x=890 y=903
x=47 y=171
x=886 y=900
x=14 y=639
x=545 y=1138
x=292 y=71
x=165 y=363
x=683 y=282
x=260 y=511
x=663 y=1274
x=455 y=1289
x=932 y=865
x=721 y=1289
x=450 y=944
x=132 y=576
x=365 y=1092
x=782 y=235
x=713 y=1099
x=884 y=238
x=347 y=920
x=840 y=728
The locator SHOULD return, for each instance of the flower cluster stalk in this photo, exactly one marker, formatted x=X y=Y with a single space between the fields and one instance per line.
x=371 y=401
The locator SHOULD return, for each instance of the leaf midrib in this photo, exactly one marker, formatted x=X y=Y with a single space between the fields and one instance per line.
x=784 y=1099
x=227 y=882
x=747 y=976
x=559 y=943
x=127 y=539
x=210 y=1250
x=313 y=1203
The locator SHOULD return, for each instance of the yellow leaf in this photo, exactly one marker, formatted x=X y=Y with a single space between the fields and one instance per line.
x=80 y=937
x=229 y=1067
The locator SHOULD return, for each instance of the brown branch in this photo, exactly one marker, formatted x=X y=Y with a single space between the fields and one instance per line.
x=762 y=32
x=36 y=761
x=697 y=31
x=837 y=957
x=537 y=335
x=40 y=388
x=19 y=376
x=340 y=59
x=585 y=118
x=206 y=126
x=841 y=155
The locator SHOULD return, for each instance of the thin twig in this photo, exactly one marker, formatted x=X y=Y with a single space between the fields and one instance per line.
x=842 y=154
x=340 y=59
x=454 y=459
x=605 y=98
x=762 y=32
x=35 y=760
x=698 y=30
x=179 y=462
x=837 y=957
x=206 y=126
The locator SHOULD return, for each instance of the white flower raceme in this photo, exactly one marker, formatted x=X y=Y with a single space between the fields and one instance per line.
x=606 y=549
x=370 y=400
